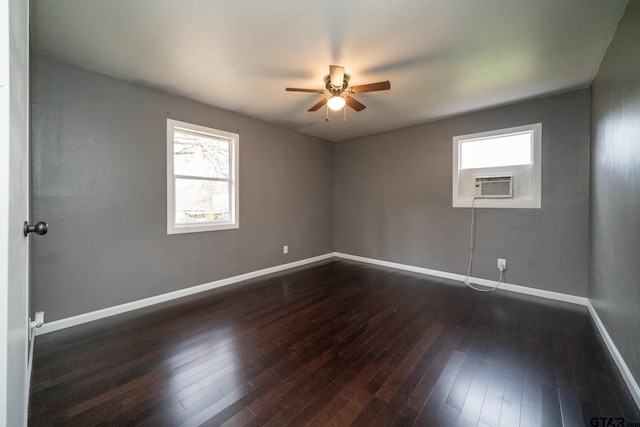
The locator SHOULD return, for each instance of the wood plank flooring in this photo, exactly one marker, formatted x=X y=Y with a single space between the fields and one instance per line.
x=334 y=344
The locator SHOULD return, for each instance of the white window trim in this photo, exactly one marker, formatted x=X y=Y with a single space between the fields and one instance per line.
x=234 y=150
x=516 y=202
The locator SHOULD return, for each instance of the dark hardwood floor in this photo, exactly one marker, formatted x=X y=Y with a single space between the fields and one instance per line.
x=334 y=344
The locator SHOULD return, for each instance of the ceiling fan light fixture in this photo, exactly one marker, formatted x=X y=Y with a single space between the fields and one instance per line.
x=336 y=103
x=338 y=92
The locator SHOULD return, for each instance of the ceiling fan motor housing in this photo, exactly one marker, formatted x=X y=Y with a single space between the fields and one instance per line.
x=336 y=91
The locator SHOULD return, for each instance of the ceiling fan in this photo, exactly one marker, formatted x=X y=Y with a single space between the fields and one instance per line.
x=337 y=86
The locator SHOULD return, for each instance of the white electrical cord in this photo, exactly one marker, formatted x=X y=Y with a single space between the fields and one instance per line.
x=473 y=246
x=473 y=241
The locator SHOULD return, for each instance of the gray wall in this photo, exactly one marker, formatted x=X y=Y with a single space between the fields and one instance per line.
x=393 y=199
x=99 y=165
x=614 y=287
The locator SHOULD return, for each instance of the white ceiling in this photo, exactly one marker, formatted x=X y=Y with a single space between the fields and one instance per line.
x=443 y=57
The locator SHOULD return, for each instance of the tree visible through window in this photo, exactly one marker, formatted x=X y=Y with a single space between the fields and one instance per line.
x=203 y=177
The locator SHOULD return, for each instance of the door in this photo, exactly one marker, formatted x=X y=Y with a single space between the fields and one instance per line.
x=14 y=207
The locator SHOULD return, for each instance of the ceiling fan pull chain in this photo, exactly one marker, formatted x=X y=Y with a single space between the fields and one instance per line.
x=327 y=113
x=345 y=113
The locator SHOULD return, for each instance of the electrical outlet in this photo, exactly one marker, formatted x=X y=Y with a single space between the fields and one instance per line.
x=502 y=264
x=285 y=249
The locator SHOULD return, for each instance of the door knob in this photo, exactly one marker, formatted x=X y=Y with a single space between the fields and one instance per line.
x=40 y=228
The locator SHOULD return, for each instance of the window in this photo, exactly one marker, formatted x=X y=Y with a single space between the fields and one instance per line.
x=514 y=152
x=202 y=178
x=495 y=151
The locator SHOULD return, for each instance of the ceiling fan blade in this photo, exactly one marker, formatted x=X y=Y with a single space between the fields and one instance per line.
x=295 y=89
x=319 y=104
x=371 y=87
x=336 y=75
x=356 y=105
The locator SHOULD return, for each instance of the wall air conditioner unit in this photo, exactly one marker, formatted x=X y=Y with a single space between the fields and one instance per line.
x=490 y=187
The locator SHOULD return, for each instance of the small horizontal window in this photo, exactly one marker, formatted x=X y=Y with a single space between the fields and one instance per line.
x=511 y=156
x=496 y=151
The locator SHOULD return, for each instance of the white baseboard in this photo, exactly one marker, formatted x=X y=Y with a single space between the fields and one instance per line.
x=112 y=311
x=615 y=354
x=118 y=309
x=460 y=277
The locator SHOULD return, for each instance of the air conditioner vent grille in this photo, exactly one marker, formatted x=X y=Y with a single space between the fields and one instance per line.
x=494 y=186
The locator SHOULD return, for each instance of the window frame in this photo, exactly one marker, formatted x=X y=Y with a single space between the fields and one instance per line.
x=530 y=174
x=234 y=149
